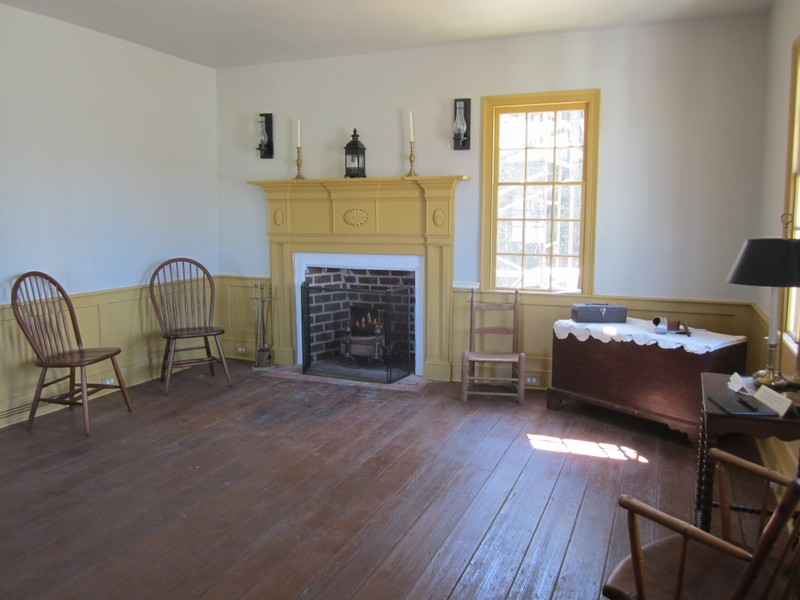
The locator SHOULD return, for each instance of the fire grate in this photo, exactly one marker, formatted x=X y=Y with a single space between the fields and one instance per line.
x=360 y=332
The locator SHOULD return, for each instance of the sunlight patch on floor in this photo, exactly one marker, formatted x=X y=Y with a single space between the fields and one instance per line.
x=584 y=447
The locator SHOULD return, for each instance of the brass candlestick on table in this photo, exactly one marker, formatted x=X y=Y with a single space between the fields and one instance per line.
x=299 y=163
x=411 y=158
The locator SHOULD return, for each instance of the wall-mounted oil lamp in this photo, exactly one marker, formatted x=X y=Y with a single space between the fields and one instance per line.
x=265 y=145
x=355 y=157
x=461 y=124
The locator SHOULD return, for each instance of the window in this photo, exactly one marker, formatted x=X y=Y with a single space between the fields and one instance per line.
x=540 y=172
x=791 y=217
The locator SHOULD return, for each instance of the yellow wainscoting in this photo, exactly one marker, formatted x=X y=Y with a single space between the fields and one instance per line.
x=119 y=317
x=540 y=311
x=124 y=318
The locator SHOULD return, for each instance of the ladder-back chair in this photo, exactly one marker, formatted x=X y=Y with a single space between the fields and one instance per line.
x=495 y=319
x=46 y=315
x=182 y=291
x=694 y=564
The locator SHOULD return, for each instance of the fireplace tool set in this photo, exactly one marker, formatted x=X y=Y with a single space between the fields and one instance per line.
x=261 y=304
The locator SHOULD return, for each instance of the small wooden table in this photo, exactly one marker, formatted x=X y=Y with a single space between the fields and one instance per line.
x=716 y=423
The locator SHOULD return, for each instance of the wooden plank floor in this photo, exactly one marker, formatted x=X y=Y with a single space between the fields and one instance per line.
x=286 y=486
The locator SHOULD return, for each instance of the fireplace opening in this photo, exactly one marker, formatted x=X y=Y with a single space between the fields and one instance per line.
x=358 y=324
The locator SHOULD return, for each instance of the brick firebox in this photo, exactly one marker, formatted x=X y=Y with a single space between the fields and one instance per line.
x=336 y=343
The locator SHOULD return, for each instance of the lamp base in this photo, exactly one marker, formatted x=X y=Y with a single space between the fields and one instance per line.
x=767 y=375
x=769 y=378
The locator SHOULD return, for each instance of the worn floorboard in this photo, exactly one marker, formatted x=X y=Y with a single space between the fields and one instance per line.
x=287 y=486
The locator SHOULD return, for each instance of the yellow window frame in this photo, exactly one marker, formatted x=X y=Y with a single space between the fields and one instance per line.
x=493 y=108
x=791 y=216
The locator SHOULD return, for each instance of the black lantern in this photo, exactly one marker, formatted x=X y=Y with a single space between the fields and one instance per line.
x=355 y=159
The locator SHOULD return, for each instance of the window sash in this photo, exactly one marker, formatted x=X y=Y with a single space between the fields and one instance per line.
x=539 y=191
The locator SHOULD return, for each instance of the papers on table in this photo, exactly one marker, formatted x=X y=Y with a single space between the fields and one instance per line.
x=777 y=402
x=765 y=395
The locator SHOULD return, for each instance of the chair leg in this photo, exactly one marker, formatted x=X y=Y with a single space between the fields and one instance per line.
x=85 y=401
x=123 y=388
x=464 y=378
x=208 y=354
x=170 y=360
x=73 y=388
x=222 y=359
x=36 y=397
x=164 y=360
x=521 y=379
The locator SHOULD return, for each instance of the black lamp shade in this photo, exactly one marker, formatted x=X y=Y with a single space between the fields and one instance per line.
x=768 y=262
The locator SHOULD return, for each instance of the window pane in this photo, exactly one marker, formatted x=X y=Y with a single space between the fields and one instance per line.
x=537 y=273
x=537 y=237
x=568 y=203
x=570 y=126
x=541 y=129
x=570 y=164
x=512 y=166
x=509 y=271
x=566 y=274
x=567 y=238
x=540 y=165
x=538 y=201
x=512 y=131
x=510 y=202
x=509 y=236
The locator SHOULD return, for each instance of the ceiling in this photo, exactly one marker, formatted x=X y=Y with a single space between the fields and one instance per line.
x=224 y=33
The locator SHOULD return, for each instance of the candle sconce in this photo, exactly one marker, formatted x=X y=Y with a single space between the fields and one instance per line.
x=266 y=145
x=461 y=124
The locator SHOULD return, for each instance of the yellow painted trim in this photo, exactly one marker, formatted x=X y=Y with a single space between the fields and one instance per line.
x=540 y=310
x=398 y=215
x=492 y=107
x=123 y=317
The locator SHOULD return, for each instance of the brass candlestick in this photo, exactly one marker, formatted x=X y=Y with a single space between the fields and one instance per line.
x=768 y=375
x=299 y=163
x=411 y=158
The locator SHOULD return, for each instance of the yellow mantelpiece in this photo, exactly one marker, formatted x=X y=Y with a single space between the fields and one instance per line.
x=399 y=215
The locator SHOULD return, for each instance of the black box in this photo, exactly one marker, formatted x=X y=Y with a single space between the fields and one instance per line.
x=595 y=312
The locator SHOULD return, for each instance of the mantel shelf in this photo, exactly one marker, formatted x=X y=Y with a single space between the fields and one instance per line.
x=361 y=181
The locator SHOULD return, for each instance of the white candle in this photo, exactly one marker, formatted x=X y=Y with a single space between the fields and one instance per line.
x=411 y=126
x=299 y=135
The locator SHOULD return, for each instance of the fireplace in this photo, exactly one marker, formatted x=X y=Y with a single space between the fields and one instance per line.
x=358 y=323
x=378 y=271
x=399 y=218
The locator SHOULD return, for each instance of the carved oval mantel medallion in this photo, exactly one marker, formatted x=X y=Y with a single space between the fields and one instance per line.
x=355 y=217
x=438 y=217
x=277 y=217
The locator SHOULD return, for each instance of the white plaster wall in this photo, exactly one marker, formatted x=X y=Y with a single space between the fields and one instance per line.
x=107 y=156
x=784 y=28
x=681 y=141
x=107 y=146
